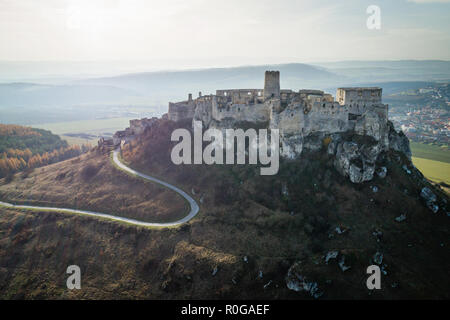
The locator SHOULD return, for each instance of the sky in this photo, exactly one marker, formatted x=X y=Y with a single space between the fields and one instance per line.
x=196 y=33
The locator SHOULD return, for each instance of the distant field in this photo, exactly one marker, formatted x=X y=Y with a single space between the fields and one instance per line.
x=100 y=127
x=78 y=141
x=87 y=126
x=426 y=151
x=436 y=171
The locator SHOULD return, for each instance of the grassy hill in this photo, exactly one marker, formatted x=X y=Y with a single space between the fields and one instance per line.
x=91 y=182
x=25 y=148
x=250 y=230
x=37 y=140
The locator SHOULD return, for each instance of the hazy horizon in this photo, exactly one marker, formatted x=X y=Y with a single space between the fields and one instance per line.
x=198 y=33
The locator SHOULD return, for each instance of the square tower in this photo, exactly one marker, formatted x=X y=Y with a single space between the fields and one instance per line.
x=272 y=84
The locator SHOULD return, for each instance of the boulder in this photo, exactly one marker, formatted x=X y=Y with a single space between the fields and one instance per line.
x=430 y=199
x=428 y=195
x=382 y=172
x=297 y=282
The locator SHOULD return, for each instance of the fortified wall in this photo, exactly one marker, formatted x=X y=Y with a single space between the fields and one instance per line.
x=137 y=127
x=297 y=114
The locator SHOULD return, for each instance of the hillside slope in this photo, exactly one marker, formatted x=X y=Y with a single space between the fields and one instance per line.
x=250 y=232
x=91 y=182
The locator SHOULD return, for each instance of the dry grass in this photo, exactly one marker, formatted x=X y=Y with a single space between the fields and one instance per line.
x=242 y=214
x=91 y=182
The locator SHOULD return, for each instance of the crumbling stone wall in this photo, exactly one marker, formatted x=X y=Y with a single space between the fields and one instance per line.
x=297 y=114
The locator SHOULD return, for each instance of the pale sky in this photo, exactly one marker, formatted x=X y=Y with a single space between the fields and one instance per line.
x=210 y=31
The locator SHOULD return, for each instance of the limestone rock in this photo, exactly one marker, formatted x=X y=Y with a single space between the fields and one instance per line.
x=430 y=199
x=428 y=195
x=331 y=255
x=382 y=172
x=356 y=162
x=398 y=141
x=291 y=146
x=370 y=124
x=378 y=258
x=297 y=282
x=401 y=218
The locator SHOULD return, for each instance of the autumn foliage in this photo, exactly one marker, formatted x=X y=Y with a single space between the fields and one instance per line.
x=27 y=148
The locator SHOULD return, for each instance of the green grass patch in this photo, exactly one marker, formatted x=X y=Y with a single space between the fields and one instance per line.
x=436 y=171
x=431 y=152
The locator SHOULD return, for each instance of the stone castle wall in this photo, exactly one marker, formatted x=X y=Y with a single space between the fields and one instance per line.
x=296 y=114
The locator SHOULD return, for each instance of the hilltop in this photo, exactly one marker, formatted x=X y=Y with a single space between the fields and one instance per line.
x=250 y=232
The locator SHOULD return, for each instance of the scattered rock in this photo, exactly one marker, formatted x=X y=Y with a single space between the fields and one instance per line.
x=382 y=172
x=378 y=234
x=299 y=283
x=378 y=258
x=406 y=169
x=430 y=198
x=433 y=207
x=401 y=218
x=427 y=194
x=341 y=229
x=331 y=255
x=342 y=264
x=374 y=189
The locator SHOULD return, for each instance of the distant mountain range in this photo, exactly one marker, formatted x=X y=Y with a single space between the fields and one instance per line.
x=158 y=88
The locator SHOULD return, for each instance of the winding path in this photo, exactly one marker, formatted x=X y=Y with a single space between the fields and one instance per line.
x=192 y=203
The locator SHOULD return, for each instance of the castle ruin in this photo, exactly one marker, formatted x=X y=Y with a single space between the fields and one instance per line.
x=297 y=114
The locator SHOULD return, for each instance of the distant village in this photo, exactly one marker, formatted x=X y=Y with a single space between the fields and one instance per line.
x=426 y=122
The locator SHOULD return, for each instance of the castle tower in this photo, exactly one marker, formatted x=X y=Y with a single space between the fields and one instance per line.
x=272 y=84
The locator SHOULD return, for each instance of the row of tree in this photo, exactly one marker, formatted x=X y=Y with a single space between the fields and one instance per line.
x=23 y=148
x=17 y=160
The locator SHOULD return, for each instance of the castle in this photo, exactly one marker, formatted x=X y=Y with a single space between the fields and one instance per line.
x=297 y=114
x=306 y=120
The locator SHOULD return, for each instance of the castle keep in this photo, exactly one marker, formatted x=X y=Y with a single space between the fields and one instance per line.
x=297 y=114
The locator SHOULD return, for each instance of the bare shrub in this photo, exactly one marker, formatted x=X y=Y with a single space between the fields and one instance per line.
x=89 y=171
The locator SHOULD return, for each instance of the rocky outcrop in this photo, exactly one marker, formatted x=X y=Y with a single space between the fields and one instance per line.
x=356 y=156
x=291 y=146
x=356 y=161
x=398 y=141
